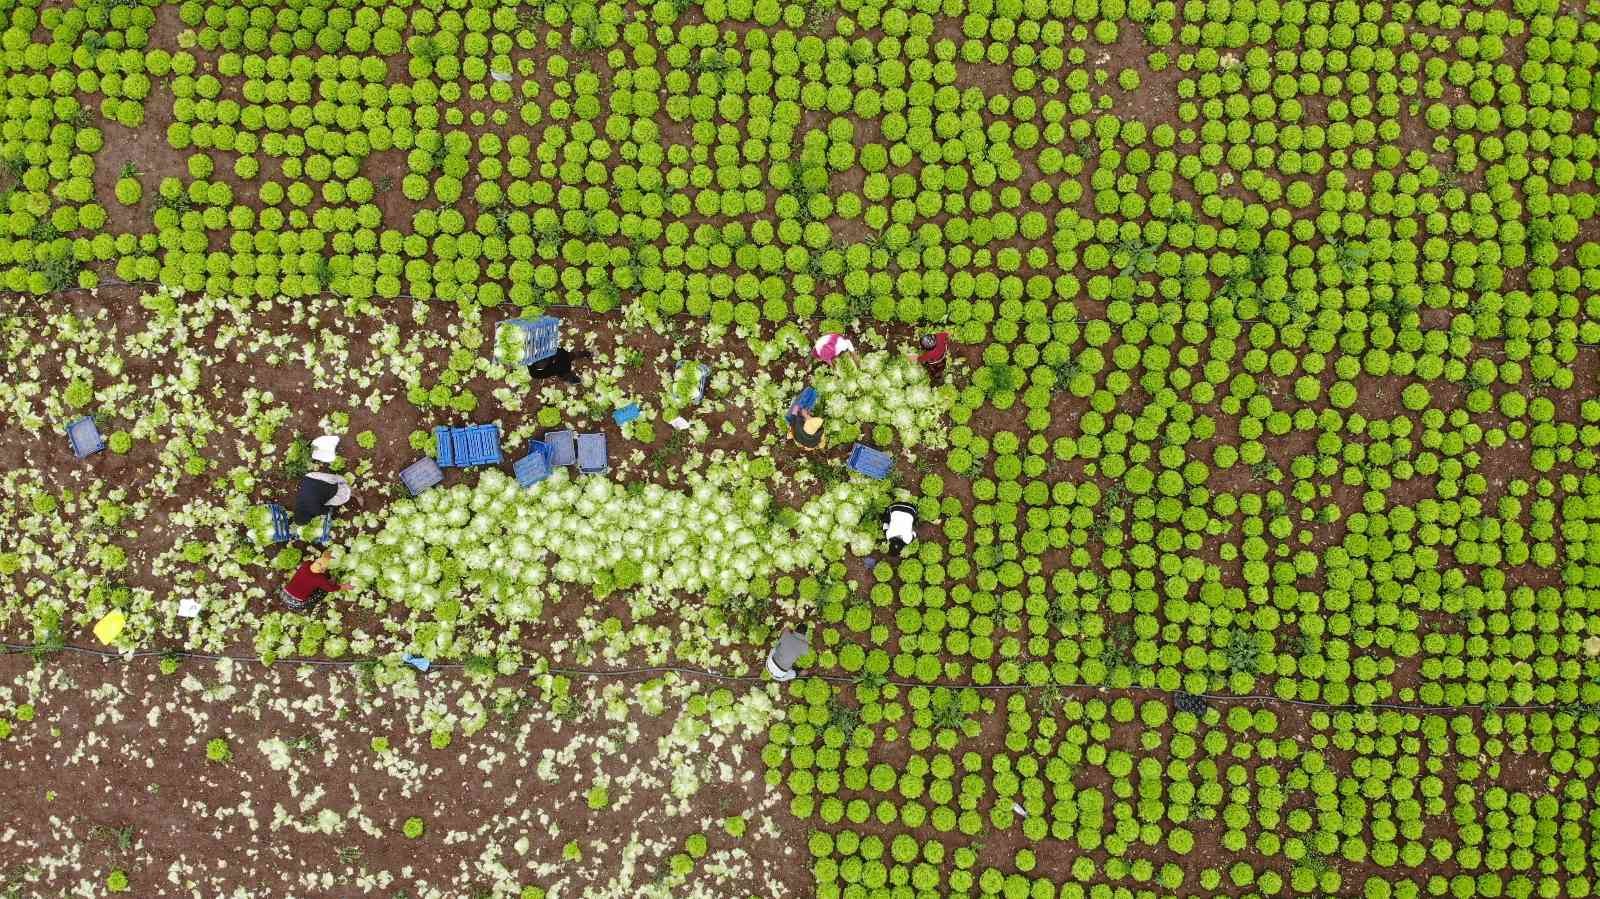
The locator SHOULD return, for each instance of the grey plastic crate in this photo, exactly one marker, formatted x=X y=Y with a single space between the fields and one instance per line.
x=563 y=447
x=421 y=475
x=592 y=457
x=85 y=437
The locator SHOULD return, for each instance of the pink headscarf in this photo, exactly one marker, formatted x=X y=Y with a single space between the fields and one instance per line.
x=831 y=346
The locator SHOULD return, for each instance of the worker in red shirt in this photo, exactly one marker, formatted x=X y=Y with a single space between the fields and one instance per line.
x=935 y=352
x=310 y=584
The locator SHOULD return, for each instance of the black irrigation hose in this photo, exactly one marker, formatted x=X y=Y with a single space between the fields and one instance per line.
x=1221 y=699
x=620 y=308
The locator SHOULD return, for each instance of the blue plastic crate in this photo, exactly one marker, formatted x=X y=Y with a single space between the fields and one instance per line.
x=540 y=337
x=283 y=528
x=280 y=523
x=470 y=445
x=483 y=442
x=534 y=467
x=806 y=401
x=420 y=475
x=592 y=458
x=461 y=446
x=85 y=437
x=873 y=463
x=444 y=449
x=563 y=447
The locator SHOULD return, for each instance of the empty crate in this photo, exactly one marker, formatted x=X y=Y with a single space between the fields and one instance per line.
x=85 y=437
x=870 y=462
x=534 y=467
x=420 y=475
x=470 y=445
x=592 y=458
x=563 y=447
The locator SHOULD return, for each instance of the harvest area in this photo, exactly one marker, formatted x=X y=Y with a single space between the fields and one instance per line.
x=853 y=449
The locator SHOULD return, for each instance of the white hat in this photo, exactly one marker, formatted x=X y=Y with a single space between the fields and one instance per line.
x=324 y=448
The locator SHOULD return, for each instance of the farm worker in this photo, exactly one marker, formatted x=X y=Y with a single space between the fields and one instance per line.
x=320 y=492
x=558 y=365
x=831 y=346
x=900 y=526
x=935 y=352
x=806 y=429
x=788 y=650
x=310 y=584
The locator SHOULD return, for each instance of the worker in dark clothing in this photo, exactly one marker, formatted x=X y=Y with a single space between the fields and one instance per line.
x=320 y=492
x=558 y=365
x=805 y=426
x=806 y=429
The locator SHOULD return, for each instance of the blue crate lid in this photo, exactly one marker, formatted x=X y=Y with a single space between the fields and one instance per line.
x=563 y=447
x=870 y=462
x=592 y=458
x=420 y=475
x=84 y=437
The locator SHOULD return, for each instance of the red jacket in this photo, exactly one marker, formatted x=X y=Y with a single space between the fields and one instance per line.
x=305 y=580
x=935 y=356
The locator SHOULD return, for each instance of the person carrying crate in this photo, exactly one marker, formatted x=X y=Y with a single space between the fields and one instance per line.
x=805 y=427
x=558 y=365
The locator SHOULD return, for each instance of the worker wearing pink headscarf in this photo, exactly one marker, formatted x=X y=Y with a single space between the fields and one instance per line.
x=831 y=346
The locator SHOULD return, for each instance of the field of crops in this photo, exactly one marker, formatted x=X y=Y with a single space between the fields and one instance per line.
x=1253 y=503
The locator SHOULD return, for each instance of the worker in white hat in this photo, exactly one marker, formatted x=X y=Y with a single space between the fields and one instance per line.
x=321 y=492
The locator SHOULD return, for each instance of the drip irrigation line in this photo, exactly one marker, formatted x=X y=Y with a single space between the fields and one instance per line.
x=706 y=674
x=375 y=298
x=620 y=309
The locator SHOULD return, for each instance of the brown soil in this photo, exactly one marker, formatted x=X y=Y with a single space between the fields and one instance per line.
x=90 y=769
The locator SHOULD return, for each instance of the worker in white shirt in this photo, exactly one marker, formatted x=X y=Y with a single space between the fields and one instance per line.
x=900 y=526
